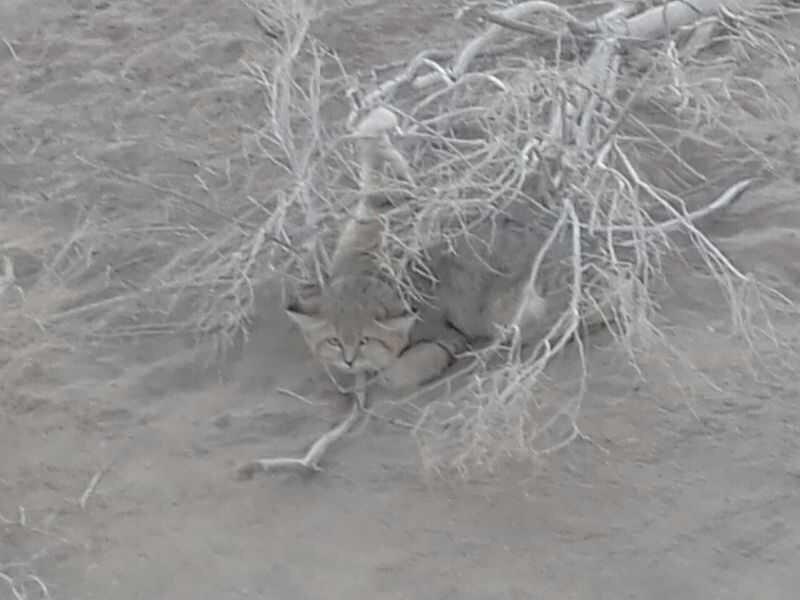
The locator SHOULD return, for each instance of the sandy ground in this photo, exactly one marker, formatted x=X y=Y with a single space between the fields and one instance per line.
x=680 y=496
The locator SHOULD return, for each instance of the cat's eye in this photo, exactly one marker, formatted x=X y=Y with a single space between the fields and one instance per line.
x=365 y=341
x=334 y=342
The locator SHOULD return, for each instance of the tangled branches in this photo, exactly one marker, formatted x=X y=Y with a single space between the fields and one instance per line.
x=600 y=132
x=574 y=144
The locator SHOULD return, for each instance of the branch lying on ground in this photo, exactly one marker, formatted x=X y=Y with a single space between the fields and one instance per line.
x=310 y=462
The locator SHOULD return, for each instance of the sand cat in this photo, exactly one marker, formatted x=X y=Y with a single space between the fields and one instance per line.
x=359 y=321
x=482 y=285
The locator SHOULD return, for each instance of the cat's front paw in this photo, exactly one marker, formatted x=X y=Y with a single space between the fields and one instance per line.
x=415 y=366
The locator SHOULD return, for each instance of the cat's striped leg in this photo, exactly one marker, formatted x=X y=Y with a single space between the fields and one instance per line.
x=423 y=361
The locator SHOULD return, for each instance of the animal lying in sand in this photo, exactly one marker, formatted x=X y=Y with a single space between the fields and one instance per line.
x=484 y=283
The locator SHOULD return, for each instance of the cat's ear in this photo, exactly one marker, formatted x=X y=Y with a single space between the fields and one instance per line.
x=307 y=322
x=401 y=325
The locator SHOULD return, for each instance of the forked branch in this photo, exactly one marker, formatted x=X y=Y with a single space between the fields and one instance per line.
x=310 y=462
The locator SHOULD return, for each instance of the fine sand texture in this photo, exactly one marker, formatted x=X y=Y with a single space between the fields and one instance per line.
x=118 y=457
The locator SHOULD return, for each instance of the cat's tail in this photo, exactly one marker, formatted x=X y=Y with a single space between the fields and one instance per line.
x=375 y=152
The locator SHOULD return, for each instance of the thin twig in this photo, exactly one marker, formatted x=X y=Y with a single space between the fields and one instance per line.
x=244 y=225
x=11 y=49
x=84 y=499
x=725 y=199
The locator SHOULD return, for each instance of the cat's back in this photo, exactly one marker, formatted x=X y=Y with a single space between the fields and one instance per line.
x=497 y=247
x=484 y=275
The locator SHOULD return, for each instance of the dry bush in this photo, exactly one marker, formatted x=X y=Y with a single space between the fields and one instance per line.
x=635 y=168
x=601 y=157
x=610 y=165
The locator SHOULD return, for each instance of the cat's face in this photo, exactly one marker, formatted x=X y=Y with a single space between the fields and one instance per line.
x=358 y=346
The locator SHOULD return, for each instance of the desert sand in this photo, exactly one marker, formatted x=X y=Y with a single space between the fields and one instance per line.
x=684 y=491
